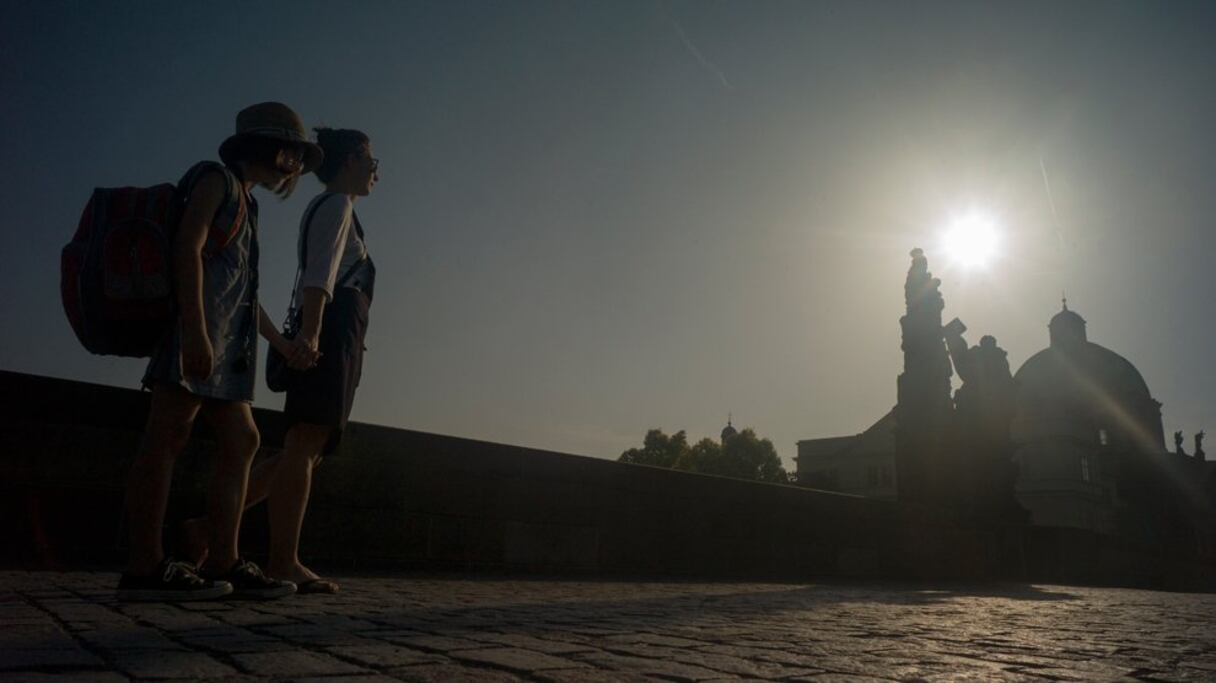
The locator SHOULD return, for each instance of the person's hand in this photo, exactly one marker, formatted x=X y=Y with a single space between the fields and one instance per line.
x=198 y=358
x=303 y=353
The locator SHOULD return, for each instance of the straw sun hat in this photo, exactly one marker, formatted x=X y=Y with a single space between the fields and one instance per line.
x=272 y=120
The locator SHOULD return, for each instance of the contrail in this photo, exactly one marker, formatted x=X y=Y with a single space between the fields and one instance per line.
x=1052 y=203
x=697 y=53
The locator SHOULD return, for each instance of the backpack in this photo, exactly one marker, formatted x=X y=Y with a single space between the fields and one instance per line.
x=116 y=275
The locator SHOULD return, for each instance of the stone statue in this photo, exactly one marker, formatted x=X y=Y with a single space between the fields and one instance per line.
x=1199 y=454
x=923 y=411
x=1178 y=443
x=988 y=392
x=984 y=408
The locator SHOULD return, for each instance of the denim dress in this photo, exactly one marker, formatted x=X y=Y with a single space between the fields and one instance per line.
x=230 y=305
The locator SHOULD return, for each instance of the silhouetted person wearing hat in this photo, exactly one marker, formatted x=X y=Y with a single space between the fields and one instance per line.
x=208 y=364
x=329 y=315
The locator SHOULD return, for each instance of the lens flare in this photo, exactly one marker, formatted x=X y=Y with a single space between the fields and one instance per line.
x=971 y=240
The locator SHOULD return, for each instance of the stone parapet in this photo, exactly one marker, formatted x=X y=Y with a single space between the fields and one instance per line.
x=396 y=498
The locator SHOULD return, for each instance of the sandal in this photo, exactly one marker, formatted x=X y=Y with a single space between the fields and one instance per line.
x=317 y=587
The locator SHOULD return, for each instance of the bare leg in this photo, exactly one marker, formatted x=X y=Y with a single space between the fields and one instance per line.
x=197 y=531
x=196 y=539
x=289 y=499
x=168 y=429
x=261 y=478
x=238 y=440
x=261 y=482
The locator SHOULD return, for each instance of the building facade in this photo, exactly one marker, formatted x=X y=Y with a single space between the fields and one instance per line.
x=1088 y=445
x=862 y=465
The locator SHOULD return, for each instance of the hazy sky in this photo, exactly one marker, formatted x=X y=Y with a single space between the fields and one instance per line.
x=599 y=217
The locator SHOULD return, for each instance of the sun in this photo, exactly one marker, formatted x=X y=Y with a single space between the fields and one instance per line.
x=972 y=240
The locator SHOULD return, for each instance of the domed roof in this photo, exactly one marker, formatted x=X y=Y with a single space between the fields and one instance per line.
x=1066 y=317
x=729 y=430
x=1075 y=368
x=1085 y=372
x=1076 y=394
x=1076 y=386
x=1066 y=327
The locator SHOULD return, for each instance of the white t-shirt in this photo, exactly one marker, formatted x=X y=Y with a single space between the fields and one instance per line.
x=334 y=246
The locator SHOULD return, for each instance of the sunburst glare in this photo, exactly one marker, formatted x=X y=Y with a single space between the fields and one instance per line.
x=972 y=240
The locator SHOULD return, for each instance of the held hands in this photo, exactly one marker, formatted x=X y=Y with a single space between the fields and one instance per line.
x=198 y=358
x=302 y=352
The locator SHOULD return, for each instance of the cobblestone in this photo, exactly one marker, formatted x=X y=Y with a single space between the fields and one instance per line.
x=170 y=664
x=67 y=626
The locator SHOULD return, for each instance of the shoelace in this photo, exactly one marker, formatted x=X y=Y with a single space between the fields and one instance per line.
x=174 y=569
x=247 y=567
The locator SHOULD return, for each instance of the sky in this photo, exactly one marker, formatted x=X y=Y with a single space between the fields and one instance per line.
x=597 y=218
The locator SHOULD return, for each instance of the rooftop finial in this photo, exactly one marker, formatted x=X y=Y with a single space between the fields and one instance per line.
x=1064 y=299
x=729 y=430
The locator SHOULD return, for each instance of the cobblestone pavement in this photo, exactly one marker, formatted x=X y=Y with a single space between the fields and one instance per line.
x=460 y=629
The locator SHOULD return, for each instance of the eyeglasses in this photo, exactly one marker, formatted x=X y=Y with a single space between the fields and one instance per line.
x=375 y=163
x=292 y=159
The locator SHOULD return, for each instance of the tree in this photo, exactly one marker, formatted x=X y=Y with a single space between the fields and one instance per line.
x=742 y=456
x=705 y=457
x=658 y=449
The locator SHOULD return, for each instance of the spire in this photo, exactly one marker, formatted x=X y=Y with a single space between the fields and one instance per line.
x=1064 y=299
x=729 y=430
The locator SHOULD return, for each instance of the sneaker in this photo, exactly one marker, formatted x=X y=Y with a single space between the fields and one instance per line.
x=249 y=583
x=172 y=582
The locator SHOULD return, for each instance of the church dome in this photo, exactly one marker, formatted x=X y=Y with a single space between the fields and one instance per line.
x=1066 y=327
x=728 y=431
x=1088 y=370
x=1077 y=388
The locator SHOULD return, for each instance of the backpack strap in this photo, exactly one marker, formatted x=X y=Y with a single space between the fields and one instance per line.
x=229 y=218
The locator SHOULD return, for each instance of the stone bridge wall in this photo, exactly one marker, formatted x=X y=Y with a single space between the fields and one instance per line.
x=394 y=497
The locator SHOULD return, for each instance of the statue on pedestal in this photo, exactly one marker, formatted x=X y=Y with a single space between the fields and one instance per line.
x=984 y=408
x=924 y=411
